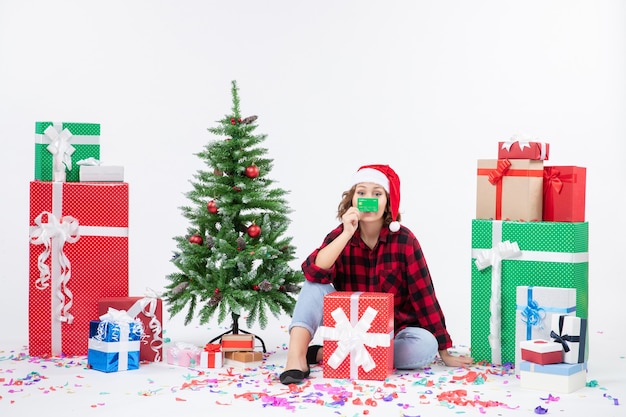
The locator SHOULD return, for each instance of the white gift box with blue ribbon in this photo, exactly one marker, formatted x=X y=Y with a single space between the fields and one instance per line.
x=535 y=308
x=114 y=342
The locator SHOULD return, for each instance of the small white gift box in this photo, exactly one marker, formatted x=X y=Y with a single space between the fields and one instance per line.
x=101 y=173
x=571 y=333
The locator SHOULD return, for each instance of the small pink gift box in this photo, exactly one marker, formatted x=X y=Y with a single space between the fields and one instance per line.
x=542 y=352
x=183 y=354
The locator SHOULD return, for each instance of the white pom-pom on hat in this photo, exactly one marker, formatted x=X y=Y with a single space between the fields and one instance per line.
x=385 y=176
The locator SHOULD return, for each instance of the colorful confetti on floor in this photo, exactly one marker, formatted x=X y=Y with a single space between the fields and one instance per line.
x=27 y=382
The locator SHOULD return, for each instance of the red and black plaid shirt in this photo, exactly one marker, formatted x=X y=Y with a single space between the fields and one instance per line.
x=396 y=265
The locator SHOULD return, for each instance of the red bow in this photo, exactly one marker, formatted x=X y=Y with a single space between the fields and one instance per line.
x=212 y=347
x=497 y=174
x=552 y=180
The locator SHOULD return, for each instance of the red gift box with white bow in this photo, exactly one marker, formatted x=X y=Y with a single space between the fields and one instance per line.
x=523 y=149
x=149 y=310
x=358 y=335
x=78 y=255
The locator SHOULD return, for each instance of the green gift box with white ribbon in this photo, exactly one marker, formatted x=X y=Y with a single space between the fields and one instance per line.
x=59 y=146
x=508 y=254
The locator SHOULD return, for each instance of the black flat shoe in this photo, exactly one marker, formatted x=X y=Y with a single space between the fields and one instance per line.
x=294 y=376
x=311 y=354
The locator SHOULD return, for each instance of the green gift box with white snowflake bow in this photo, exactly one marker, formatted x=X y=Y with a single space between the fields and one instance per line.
x=508 y=254
x=59 y=146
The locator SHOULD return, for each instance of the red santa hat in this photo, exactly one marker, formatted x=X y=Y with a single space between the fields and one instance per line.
x=385 y=176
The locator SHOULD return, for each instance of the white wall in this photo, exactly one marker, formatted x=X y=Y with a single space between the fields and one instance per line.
x=426 y=86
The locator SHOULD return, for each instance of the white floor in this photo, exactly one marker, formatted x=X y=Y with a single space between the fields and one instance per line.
x=65 y=387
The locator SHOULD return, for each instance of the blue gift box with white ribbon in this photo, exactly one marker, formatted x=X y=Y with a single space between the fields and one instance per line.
x=114 y=344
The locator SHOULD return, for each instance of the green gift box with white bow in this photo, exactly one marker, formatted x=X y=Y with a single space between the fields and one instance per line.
x=508 y=254
x=68 y=143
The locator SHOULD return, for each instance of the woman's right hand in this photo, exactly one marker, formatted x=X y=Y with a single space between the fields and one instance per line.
x=350 y=220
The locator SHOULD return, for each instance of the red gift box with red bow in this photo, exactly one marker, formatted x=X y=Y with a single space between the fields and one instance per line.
x=564 y=189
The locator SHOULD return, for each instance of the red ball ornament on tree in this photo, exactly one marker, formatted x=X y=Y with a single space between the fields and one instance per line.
x=212 y=207
x=255 y=287
x=196 y=239
x=254 y=231
x=252 y=171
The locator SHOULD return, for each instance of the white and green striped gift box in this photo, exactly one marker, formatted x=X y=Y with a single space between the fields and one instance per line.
x=85 y=139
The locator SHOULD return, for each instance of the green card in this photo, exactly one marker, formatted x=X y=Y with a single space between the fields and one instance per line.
x=367 y=204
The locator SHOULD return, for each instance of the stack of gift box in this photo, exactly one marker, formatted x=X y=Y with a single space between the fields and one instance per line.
x=529 y=272
x=234 y=350
x=78 y=257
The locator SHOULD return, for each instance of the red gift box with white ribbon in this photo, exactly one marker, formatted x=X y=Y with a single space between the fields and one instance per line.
x=78 y=255
x=149 y=310
x=358 y=335
x=522 y=148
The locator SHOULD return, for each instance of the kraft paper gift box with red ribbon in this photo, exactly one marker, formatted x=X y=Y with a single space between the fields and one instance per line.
x=536 y=306
x=59 y=146
x=148 y=309
x=506 y=255
x=563 y=378
x=183 y=354
x=564 y=190
x=78 y=255
x=358 y=332
x=211 y=356
x=523 y=148
x=237 y=342
x=543 y=352
x=114 y=342
x=509 y=189
x=571 y=333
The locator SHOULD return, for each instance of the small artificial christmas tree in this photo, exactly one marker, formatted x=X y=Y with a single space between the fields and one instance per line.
x=235 y=257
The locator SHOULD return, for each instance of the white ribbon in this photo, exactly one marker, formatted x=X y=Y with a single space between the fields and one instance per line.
x=61 y=150
x=352 y=337
x=65 y=230
x=91 y=161
x=147 y=306
x=493 y=257
x=53 y=235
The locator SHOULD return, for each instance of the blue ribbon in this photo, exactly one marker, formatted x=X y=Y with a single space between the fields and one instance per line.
x=533 y=314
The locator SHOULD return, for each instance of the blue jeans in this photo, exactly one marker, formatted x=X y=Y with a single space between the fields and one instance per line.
x=413 y=347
